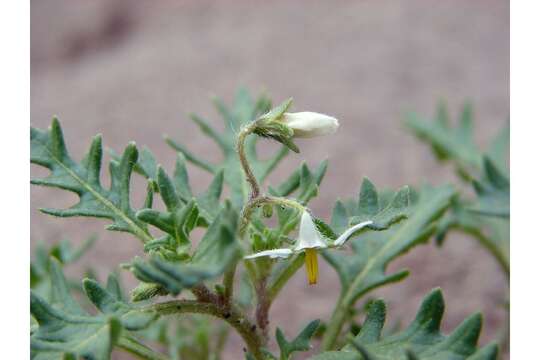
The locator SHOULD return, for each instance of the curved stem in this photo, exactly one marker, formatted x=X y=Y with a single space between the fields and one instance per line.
x=248 y=209
x=245 y=328
x=133 y=346
x=250 y=177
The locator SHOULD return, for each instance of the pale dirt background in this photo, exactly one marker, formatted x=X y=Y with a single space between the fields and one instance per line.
x=133 y=69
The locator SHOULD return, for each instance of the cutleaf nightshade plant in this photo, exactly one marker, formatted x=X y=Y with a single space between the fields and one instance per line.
x=486 y=216
x=238 y=251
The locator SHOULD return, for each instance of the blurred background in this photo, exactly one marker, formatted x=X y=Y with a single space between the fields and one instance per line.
x=133 y=70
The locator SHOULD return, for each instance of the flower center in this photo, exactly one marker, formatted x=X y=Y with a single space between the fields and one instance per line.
x=312 y=267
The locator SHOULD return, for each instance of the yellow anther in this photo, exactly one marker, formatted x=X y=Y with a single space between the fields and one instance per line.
x=312 y=266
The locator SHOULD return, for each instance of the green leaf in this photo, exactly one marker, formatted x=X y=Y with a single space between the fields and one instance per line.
x=217 y=250
x=302 y=184
x=449 y=143
x=299 y=343
x=493 y=192
x=146 y=165
x=243 y=111
x=48 y=149
x=499 y=149
x=492 y=232
x=183 y=212
x=489 y=174
x=365 y=269
x=65 y=253
x=369 y=207
x=65 y=329
x=422 y=339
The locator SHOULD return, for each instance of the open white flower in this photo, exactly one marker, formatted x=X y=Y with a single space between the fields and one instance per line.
x=309 y=241
x=310 y=124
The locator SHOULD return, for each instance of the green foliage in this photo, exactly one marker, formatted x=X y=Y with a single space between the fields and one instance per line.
x=486 y=216
x=62 y=251
x=302 y=184
x=65 y=329
x=422 y=339
x=364 y=270
x=493 y=192
x=183 y=212
x=299 y=343
x=244 y=111
x=176 y=261
x=48 y=149
x=449 y=143
x=371 y=208
x=217 y=251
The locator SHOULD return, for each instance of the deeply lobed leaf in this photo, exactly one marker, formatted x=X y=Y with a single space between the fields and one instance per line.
x=66 y=330
x=299 y=343
x=422 y=339
x=217 y=250
x=48 y=149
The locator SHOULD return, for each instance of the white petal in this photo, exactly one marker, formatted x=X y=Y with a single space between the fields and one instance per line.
x=308 y=236
x=276 y=253
x=345 y=236
x=309 y=124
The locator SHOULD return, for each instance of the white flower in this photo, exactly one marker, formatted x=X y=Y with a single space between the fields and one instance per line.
x=308 y=236
x=310 y=124
x=309 y=240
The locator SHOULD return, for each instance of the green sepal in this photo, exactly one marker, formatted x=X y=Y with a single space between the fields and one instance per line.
x=278 y=111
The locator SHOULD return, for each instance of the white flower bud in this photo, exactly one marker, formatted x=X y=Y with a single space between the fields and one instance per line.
x=310 y=124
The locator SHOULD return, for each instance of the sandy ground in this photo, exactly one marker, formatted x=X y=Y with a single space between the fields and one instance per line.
x=132 y=71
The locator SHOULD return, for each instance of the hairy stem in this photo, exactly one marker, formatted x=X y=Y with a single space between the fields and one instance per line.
x=250 y=177
x=263 y=306
x=248 y=209
x=133 y=346
x=245 y=328
x=228 y=284
x=203 y=294
x=265 y=295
